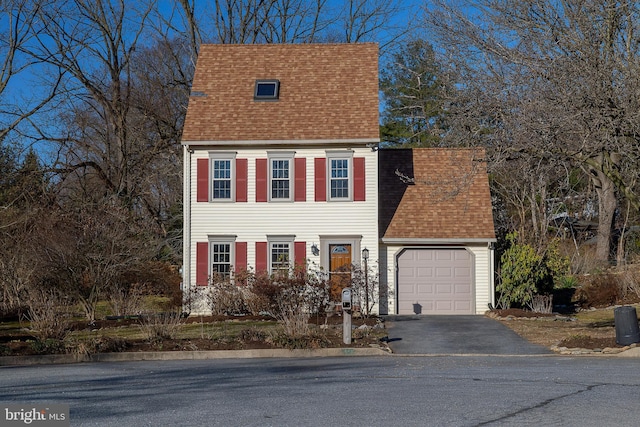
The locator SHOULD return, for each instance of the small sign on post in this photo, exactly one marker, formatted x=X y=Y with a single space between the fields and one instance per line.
x=346 y=315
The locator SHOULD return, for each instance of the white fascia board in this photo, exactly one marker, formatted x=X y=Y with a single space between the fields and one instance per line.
x=418 y=241
x=300 y=142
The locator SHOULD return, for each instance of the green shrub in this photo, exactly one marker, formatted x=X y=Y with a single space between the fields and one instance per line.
x=523 y=274
x=4 y=350
x=566 y=282
x=48 y=346
x=559 y=265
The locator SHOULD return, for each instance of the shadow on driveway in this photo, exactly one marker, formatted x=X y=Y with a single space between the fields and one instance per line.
x=413 y=334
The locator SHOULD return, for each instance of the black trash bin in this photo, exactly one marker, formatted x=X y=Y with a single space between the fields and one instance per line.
x=626 y=321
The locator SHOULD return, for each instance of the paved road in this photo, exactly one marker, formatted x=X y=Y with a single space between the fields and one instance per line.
x=356 y=391
x=455 y=335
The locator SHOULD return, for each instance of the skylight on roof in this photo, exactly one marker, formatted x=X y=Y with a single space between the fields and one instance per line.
x=266 y=90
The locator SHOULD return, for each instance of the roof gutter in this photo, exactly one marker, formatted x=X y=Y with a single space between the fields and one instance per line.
x=439 y=241
x=303 y=142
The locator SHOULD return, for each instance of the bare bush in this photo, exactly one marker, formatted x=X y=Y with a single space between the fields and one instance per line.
x=255 y=304
x=291 y=298
x=127 y=301
x=364 y=288
x=292 y=310
x=629 y=283
x=225 y=298
x=48 y=314
x=541 y=304
x=160 y=326
x=601 y=290
x=128 y=293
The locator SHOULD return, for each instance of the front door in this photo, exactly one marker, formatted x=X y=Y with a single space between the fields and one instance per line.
x=339 y=269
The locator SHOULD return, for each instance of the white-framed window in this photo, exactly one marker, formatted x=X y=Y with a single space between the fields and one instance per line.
x=222 y=176
x=221 y=256
x=340 y=173
x=281 y=177
x=280 y=254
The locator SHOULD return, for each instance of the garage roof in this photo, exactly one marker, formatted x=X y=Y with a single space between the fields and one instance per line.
x=434 y=193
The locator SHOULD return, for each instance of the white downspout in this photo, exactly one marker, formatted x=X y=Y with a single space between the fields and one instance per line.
x=186 y=221
x=492 y=272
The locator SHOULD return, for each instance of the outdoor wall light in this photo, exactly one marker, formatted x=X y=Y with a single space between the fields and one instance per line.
x=315 y=250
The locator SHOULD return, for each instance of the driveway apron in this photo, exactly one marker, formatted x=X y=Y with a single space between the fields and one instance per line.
x=455 y=335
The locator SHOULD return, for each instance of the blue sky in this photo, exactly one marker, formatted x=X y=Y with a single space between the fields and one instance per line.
x=26 y=87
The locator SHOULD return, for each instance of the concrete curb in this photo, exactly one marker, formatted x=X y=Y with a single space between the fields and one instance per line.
x=632 y=352
x=50 y=359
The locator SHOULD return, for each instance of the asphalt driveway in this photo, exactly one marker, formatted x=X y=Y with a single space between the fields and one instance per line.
x=413 y=334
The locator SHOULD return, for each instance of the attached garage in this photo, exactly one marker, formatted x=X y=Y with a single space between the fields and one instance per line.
x=436 y=232
x=435 y=281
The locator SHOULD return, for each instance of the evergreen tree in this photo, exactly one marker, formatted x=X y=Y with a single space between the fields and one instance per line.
x=413 y=90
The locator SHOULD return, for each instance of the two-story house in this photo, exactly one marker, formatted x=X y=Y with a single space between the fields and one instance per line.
x=281 y=167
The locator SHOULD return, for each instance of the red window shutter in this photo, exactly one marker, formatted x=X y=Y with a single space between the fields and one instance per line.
x=359 y=181
x=240 y=268
x=300 y=184
x=300 y=254
x=320 y=177
x=262 y=257
x=202 y=263
x=262 y=181
x=202 y=180
x=241 y=180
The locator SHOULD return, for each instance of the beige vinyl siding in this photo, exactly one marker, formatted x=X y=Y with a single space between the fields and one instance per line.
x=253 y=221
x=482 y=277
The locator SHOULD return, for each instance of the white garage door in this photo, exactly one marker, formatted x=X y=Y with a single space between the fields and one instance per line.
x=435 y=281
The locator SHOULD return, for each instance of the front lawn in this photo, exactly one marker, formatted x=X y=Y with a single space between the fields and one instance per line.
x=589 y=329
x=191 y=334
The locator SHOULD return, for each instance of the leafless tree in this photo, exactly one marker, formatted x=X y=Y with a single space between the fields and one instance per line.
x=552 y=81
x=291 y=21
x=127 y=88
x=95 y=43
x=18 y=19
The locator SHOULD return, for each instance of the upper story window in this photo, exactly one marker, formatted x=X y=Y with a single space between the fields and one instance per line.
x=340 y=175
x=267 y=90
x=339 y=178
x=281 y=176
x=280 y=179
x=222 y=177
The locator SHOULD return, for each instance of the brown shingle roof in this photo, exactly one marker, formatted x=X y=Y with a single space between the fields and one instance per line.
x=327 y=91
x=434 y=194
